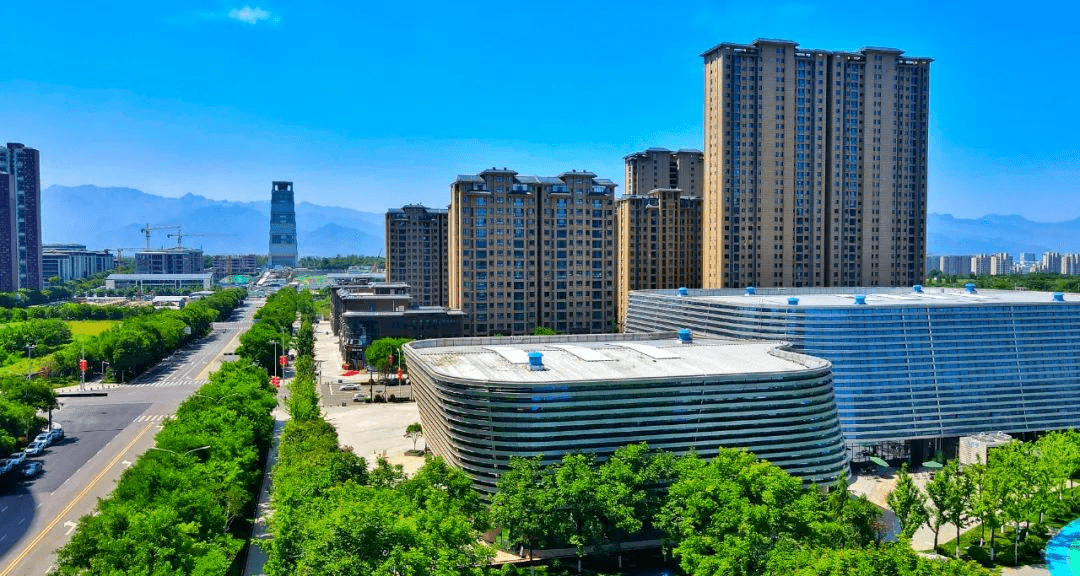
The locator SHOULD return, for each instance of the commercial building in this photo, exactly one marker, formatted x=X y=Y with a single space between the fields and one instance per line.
x=659 y=243
x=416 y=252
x=816 y=166
x=660 y=168
x=169 y=261
x=364 y=312
x=74 y=261
x=282 y=225
x=955 y=265
x=236 y=264
x=914 y=369
x=529 y=251
x=483 y=401
x=20 y=219
x=149 y=282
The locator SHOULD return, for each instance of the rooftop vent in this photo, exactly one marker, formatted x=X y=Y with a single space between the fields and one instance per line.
x=970 y=287
x=1059 y=296
x=860 y=299
x=685 y=336
x=793 y=301
x=683 y=291
x=750 y=290
x=536 y=361
x=917 y=288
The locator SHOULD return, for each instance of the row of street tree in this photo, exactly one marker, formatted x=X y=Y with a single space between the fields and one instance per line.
x=137 y=343
x=1020 y=480
x=176 y=510
x=733 y=515
x=331 y=515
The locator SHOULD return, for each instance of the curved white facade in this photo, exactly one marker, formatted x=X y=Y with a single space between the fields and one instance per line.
x=480 y=404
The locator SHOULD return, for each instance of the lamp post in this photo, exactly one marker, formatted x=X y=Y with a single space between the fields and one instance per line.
x=275 y=362
x=30 y=357
x=103 y=365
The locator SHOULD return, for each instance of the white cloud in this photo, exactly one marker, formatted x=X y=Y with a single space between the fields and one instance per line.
x=249 y=15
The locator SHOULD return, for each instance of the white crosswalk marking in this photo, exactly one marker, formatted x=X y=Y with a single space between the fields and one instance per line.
x=152 y=417
x=173 y=382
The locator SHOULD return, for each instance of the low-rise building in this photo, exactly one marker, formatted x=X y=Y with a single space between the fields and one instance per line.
x=152 y=281
x=169 y=261
x=363 y=313
x=484 y=401
x=74 y=261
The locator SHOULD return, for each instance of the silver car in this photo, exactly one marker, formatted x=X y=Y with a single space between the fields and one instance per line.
x=34 y=448
x=44 y=438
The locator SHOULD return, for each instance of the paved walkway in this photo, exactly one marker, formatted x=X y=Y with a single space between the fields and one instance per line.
x=260 y=536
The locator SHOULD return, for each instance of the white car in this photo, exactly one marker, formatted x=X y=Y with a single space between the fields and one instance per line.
x=34 y=448
x=45 y=438
x=349 y=387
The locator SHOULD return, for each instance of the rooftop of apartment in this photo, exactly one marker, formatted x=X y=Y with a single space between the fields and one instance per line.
x=604 y=357
x=876 y=296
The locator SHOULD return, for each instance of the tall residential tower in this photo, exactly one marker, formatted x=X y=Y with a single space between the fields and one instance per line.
x=20 y=219
x=282 y=225
x=416 y=255
x=529 y=251
x=816 y=166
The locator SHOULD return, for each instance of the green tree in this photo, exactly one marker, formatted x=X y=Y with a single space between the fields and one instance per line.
x=726 y=517
x=413 y=432
x=908 y=503
x=578 y=511
x=524 y=503
x=950 y=492
x=382 y=350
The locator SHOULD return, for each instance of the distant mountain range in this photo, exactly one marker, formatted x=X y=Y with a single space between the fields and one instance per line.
x=112 y=217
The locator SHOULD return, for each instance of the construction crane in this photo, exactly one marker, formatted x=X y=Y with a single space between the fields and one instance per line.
x=148 y=229
x=120 y=256
x=180 y=235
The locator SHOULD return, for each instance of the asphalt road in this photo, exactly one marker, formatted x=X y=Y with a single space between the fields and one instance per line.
x=103 y=436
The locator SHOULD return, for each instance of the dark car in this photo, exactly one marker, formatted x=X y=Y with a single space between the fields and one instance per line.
x=31 y=469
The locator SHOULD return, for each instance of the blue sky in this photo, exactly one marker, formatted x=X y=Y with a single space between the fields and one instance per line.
x=373 y=106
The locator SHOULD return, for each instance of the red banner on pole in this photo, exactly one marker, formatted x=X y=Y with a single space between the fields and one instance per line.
x=284 y=360
x=82 y=364
x=399 y=375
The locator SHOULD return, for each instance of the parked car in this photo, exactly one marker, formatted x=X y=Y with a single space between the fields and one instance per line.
x=32 y=469
x=17 y=458
x=45 y=438
x=34 y=448
x=57 y=434
x=348 y=387
x=358 y=397
x=6 y=465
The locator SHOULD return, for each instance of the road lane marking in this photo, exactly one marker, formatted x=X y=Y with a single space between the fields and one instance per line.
x=37 y=540
x=70 y=527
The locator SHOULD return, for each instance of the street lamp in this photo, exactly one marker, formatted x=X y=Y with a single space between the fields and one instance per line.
x=103 y=365
x=30 y=357
x=274 y=363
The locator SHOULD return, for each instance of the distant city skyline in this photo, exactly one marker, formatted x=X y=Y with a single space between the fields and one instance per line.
x=371 y=116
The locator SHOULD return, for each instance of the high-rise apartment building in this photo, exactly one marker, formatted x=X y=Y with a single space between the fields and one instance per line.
x=282 y=225
x=815 y=166
x=660 y=169
x=659 y=243
x=416 y=252
x=529 y=251
x=20 y=219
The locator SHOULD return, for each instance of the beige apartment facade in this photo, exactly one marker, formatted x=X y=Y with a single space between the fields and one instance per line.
x=416 y=252
x=816 y=166
x=659 y=243
x=532 y=251
x=662 y=169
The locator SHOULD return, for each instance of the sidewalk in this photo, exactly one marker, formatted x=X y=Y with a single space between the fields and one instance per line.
x=256 y=555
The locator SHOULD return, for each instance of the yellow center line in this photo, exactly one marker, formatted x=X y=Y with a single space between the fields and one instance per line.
x=33 y=543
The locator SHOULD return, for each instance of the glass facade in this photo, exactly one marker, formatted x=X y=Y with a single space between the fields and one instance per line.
x=920 y=369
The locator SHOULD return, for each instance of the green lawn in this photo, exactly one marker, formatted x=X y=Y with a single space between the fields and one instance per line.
x=90 y=327
x=1031 y=546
